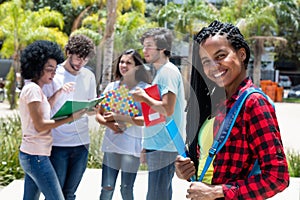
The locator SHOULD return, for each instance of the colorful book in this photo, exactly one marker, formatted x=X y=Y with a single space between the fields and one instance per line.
x=120 y=101
x=152 y=117
x=69 y=107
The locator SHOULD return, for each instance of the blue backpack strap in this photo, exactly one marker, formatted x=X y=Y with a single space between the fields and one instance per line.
x=226 y=127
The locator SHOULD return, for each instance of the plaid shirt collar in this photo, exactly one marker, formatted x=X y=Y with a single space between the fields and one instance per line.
x=246 y=83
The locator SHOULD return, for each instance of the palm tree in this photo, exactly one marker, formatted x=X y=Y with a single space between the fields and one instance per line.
x=108 y=41
x=106 y=23
x=19 y=27
x=289 y=21
x=257 y=20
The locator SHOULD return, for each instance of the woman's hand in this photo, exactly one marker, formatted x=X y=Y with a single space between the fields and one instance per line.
x=109 y=116
x=203 y=191
x=143 y=157
x=116 y=127
x=68 y=87
x=78 y=114
x=185 y=168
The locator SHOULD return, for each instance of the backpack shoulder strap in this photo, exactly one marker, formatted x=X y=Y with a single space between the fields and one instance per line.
x=226 y=127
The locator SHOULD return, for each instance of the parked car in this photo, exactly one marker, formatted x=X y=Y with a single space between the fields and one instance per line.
x=284 y=81
x=294 y=92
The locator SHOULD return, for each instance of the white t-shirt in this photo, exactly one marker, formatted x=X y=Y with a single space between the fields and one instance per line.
x=34 y=142
x=77 y=132
x=130 y=141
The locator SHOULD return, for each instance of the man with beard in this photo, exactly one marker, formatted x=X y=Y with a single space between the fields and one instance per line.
x=69 y=154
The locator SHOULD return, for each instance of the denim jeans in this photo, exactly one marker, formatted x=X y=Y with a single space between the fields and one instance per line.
x=161 y=171
x=112 y=163
x=69 y=164
x=40 y=176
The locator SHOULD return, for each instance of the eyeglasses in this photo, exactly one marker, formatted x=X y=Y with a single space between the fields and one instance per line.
x=50 y=69
x=79 y=59
x=146 y=48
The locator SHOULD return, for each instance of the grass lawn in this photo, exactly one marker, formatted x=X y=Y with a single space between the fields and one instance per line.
x=291 y=100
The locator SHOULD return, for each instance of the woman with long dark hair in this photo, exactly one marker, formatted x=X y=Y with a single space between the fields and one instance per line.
x=219 y=77
x=122 y=143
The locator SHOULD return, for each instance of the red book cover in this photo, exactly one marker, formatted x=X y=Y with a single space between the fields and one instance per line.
x=152 y=117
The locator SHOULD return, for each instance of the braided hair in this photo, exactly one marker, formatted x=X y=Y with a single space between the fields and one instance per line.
x=232 y=33
x=204 y=92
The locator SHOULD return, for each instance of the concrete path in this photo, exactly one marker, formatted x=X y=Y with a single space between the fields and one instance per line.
x=90 y=186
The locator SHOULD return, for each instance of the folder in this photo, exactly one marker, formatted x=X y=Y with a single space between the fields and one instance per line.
x=178 y=141
x=71 y=106
x=152 y=117
x=177 y=138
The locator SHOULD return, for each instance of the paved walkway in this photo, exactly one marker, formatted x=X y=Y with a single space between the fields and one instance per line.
x=89 y=188
x=289 y=122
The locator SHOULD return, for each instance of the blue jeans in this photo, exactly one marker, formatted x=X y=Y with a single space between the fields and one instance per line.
x=69 y=164
x=40 y=176
x=112 y=164
x=161 y=171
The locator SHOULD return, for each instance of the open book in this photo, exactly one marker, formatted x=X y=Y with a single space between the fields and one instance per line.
x=69 y=107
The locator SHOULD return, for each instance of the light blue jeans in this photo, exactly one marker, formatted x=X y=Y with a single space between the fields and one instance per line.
x=161 y=171
x=40 y=176
x=69 y=164
x=112 y=164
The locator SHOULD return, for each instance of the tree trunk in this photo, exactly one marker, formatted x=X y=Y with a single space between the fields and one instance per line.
x=257 y=51
x=109 y=42
x=11 y=95
x=98 y=73
x=79 y=18
x=186 y=71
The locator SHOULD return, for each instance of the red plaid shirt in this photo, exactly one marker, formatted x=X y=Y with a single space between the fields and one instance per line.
x=255 y=134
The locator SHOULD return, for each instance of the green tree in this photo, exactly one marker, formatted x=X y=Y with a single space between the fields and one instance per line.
x=288 y=19
x=257 y=19
x=259 y=22
x=190 y=17
x=71 y=14
x=264 y=28
x=105 y=21
x=20 y=27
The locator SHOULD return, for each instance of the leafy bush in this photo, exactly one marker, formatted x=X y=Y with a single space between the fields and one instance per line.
x=10 y=139
x=10 y=87
x=95 y=153
x=293 y=159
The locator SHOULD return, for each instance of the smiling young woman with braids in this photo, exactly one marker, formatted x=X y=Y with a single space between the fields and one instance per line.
x=219 y=77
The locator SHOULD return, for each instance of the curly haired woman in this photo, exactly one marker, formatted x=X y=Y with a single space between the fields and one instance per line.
x=38 y=66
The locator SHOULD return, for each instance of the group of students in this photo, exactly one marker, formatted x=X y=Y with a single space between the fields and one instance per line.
x=54 y=153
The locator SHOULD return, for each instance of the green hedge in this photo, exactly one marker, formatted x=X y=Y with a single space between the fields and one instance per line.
x=10 y=139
